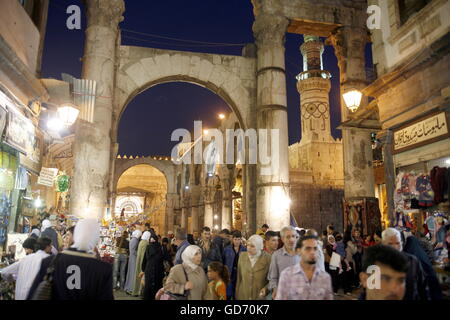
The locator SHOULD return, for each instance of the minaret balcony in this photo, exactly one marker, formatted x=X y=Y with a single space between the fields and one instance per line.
x=314 y=74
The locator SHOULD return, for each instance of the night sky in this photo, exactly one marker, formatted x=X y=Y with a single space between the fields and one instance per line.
x=150 y=118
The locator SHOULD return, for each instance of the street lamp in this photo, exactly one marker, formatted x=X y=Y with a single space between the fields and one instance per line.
x=55 y=124
x=68 y=114
x=221 y=116
x=352 y=99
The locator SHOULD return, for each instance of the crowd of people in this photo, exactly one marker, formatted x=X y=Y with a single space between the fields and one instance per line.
x=292 y=264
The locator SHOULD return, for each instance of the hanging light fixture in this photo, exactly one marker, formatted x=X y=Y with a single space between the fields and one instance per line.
x=68 y=114
x=352 y=99
x=55 y=124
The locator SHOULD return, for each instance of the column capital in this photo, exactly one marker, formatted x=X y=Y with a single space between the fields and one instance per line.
x=349 y=44
x=105 y=13
x=270 y=29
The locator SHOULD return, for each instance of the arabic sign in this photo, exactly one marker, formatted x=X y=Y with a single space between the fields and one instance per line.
x=47 y=176
x=422 y=132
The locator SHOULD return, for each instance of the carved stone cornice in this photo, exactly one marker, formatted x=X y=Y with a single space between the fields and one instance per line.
x=314 y=84
x=270 y=29
x=105 y=13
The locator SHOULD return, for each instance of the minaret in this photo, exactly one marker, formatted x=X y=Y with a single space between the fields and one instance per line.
x=314 y=86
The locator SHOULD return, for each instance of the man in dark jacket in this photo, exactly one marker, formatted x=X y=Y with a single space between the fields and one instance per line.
x=210 y=251
x=77 y=274
x=416 y=286
x=181 y=243
x=231 y=255
x=222 y=240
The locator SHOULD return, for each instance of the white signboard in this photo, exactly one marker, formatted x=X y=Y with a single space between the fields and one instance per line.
x=47 y=176
x=422 y=132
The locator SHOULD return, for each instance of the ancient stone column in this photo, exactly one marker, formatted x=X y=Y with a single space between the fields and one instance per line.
x=273 y=179
x=227 y=198
x=195 y=197
x=387 y=140
x=349 y=44
x=209 y=209
x=92 y=144
x=171 y=199
x=185 y=213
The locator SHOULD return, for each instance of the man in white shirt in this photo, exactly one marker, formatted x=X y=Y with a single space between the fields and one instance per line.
x=25 y=270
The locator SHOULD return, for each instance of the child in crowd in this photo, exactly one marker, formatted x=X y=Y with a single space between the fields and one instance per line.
x=219 y=278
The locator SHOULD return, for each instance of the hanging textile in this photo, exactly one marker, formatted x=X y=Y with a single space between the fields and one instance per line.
x=426 y=194
x=438 y=180
x=22 y=179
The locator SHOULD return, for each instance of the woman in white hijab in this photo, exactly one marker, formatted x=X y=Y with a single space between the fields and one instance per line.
x=196 y=283
x=86 y=235
x=253 y=267
x=49 y=232
x=139 y=257
x=131 y=274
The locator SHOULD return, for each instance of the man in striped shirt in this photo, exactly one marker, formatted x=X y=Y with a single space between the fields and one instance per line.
x=305 y=281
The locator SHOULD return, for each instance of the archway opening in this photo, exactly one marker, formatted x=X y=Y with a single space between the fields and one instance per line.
x=140 y=133
x=141 y=195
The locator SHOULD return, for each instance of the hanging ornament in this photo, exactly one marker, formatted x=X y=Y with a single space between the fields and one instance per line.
x=62 y=183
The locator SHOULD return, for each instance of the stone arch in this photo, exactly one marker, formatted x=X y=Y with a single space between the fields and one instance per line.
x=230 y=77
x=164 y=166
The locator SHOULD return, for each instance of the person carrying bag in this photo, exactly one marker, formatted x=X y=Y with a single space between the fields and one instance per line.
x=167 y=295
x=45 y=288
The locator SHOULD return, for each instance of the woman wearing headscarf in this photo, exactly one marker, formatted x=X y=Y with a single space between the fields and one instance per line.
x=139 y=257
x=48 y=231
x=77 y=274
x=35 y=232
x=153 y=268
x=188 y=276
x=253 y=267
x=413 y=247
x=131 y=274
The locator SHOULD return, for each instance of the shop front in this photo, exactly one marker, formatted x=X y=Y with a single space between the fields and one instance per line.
x=421 y=156
x=20 y=158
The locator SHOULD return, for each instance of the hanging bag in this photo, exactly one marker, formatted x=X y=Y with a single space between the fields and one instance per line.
x=45 y=288
x=167 y=295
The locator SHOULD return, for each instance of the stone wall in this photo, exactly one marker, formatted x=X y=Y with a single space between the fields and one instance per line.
x=315 y=206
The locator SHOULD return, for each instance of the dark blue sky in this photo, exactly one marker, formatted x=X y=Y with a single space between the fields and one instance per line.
x=149 y=119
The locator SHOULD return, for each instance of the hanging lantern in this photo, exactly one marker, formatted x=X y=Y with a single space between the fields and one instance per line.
x=352 y=99
x=68 y=114
x=62 y=183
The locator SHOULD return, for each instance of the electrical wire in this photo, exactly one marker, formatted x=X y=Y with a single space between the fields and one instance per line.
x=180 y=45
x=183 y=40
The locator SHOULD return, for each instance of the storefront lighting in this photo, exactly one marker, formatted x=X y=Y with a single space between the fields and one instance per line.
x=38 y=203
x=447 y=161
x=68 y=114
x=280 y=201
x=352 y=99
x=55 y=124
